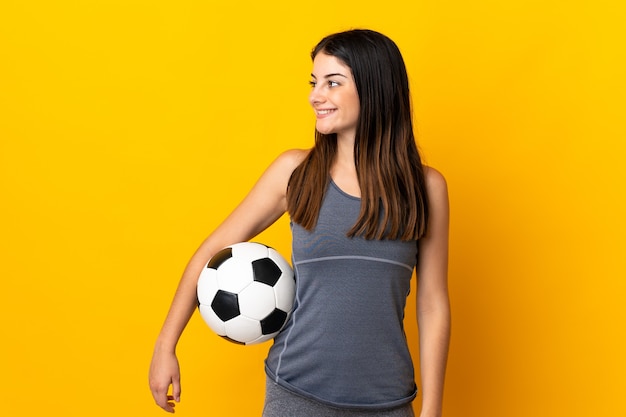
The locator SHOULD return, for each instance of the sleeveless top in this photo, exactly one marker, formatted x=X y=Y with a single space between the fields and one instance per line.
x=344 y=344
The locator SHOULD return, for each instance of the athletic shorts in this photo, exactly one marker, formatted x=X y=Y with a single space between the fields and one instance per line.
x=282 y=403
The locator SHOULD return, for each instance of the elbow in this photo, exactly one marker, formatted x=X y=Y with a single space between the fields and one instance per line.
x=437 y=310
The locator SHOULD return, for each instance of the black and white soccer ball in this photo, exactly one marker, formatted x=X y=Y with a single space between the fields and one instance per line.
x=246 y=293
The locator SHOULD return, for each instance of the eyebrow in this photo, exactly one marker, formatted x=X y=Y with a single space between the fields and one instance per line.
x=334 y=74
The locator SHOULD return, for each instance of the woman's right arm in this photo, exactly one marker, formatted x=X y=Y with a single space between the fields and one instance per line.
x=263 y=205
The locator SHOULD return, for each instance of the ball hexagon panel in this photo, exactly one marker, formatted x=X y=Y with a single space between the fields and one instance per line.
x=243 y=328
x=234 y=275
x=257 y=300
x=207 y=286
x=284 y=291
x=215 y=323
x=249 y=251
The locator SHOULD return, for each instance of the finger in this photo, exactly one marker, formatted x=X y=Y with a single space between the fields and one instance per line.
x=170 y=405
x=176 y=389
x=163 y=400
x=167 y=405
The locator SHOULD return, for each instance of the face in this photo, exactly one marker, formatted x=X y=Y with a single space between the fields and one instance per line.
x=334 y=97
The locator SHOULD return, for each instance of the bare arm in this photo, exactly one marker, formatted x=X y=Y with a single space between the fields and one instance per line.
x=263 y=205
x=433 y=306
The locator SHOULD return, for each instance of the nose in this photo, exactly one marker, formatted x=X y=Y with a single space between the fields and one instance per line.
x=316 y=96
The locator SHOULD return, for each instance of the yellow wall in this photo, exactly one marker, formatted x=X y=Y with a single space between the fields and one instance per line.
x=128 y=129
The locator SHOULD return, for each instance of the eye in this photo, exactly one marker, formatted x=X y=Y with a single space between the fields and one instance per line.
x=332 y=83
x=312 y=83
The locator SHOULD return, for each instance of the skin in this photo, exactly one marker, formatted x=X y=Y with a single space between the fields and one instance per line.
x=265 y=203
x=334 y=91
x=433 y=305
x=335 y=101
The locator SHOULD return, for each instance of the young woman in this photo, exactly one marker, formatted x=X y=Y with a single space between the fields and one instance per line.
x=365 y=213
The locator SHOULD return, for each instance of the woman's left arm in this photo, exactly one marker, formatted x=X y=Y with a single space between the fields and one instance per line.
x=433 y=305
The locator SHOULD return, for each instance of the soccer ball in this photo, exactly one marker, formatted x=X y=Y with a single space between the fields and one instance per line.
x=246 y=293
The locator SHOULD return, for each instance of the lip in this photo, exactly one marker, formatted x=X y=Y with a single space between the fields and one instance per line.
x=322 y=113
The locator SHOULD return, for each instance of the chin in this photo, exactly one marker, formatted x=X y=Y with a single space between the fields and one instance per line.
x=324 y=130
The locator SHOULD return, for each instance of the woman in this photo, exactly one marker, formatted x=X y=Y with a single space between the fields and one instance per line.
x=365 y=213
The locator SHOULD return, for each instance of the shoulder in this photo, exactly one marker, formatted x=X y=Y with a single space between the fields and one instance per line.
x=436 y=184
x=434 y=179
x=438 y=215
x=280 y=170
x=290 y=159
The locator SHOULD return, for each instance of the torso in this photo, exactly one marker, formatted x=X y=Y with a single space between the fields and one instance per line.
x=345 y=343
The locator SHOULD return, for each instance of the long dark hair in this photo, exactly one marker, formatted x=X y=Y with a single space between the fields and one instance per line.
x=394 y=203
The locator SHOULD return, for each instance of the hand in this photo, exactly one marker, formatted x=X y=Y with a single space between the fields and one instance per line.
x=165 y=371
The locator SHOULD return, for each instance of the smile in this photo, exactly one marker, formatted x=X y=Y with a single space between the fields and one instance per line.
x=324 y=112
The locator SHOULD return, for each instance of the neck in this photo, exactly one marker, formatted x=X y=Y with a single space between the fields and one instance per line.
x=343 y=169
x=345 y=152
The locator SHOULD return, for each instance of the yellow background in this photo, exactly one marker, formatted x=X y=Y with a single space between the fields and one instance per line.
x=129 y=129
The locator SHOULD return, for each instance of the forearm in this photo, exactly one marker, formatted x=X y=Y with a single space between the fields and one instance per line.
x=434 y=331
x=184 y=302
x=232 y=230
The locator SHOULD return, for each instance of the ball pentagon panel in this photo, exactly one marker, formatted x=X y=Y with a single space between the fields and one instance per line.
x=273 y=322
x=266 y=270
x=225 y=305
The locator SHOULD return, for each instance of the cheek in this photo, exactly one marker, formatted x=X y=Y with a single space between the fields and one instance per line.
x=356 y=110
x=356 y=106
